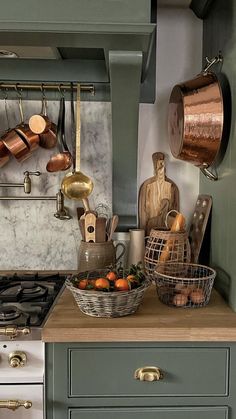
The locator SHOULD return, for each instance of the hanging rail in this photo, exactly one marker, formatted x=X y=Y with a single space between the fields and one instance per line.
x=55 y=86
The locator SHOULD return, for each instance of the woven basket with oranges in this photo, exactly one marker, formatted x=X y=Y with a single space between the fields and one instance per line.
x=109 y=292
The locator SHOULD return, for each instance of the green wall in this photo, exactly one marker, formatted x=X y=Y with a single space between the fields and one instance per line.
x=219 y=33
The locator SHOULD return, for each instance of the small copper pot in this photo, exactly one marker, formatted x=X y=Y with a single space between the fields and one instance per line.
x=16 y=145
x=39 y=123
x=48 y=139
x=28 y=136
x=196 y=120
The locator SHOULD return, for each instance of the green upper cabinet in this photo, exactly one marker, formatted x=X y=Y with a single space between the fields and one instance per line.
x=96 y=11
x=71 y=41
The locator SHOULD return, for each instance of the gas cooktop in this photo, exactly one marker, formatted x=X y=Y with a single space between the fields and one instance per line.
x=25 y=299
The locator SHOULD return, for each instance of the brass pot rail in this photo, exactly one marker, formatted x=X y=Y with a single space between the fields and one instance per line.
x=47 y=86
x=15 y=404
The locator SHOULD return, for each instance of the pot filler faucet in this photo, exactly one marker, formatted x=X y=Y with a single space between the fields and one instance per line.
x=61 y=213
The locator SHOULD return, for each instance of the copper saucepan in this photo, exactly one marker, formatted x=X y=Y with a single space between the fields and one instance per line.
x=29 y=137
x=196 y=120
x=40 y=124
x=16 y=145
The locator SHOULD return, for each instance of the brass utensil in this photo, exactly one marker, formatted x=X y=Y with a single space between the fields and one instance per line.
x=76 y=185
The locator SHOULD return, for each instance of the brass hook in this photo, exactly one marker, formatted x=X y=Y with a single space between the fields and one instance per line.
x=20 y=102
x=60 y=91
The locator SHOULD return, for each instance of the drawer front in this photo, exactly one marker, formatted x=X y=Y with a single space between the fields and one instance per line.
x=109 y=372
x=23 y=392
x=151 y=413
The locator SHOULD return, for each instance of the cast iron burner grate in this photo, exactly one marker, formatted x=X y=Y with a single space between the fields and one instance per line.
x=32 y=295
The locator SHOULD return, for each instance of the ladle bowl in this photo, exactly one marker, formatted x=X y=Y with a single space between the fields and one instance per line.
x=76 y=185
x=59 y=162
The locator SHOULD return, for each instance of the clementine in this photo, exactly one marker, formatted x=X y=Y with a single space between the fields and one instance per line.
x=111 y=276
x=122 y=284
x=82 y=284
x=102 y=283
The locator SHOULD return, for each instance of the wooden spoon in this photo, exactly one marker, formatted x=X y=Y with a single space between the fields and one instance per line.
x=112 y=226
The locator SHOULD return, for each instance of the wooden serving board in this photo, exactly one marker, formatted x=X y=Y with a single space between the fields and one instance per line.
x=157 y=196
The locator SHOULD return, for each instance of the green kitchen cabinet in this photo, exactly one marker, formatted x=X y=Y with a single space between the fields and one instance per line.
x=151 y=413
x=88 y=381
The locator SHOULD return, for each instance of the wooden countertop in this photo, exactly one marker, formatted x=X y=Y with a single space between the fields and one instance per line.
x=153 y=322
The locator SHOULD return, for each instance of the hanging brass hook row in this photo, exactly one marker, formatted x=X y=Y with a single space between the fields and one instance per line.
x=55 y=86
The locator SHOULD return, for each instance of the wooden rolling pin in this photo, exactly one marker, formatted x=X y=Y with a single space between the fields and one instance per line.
x=178 y=225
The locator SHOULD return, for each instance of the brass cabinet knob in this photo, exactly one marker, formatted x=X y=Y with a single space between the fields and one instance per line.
x=15 y=404
x=17 y=359
x=148 y=374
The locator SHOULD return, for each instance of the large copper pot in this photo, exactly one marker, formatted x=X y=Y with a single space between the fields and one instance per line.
x=195 y=121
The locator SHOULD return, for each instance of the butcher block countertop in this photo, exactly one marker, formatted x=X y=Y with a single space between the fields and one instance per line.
x=153 y=322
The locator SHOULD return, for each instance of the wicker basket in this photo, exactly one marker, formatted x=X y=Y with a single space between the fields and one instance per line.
x=106 y=304
x=166 y=245
x=183 y=284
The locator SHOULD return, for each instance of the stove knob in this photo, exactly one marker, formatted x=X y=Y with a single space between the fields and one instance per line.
x=17 y=359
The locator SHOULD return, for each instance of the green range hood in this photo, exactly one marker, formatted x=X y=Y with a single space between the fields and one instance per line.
x=109 y=43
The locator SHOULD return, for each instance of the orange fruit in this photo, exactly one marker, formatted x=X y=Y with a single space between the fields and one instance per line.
x=122 y=284
x=131 y=278
x=82 y=284
x=111 y=276
x=102 y=283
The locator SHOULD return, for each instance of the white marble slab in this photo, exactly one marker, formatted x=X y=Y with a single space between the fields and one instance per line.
x=31 y=237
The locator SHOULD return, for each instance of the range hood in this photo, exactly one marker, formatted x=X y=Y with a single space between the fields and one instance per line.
x=110 y=43
x=71 y=40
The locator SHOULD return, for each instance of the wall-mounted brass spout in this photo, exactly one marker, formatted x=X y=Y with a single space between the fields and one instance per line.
x=61 y=213
x=26 y=182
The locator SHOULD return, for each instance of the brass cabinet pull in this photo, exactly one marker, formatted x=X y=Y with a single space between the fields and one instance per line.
x=15 y=404
x=13 y=331
x=148 y=374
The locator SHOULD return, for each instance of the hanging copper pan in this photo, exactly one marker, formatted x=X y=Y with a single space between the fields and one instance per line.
x=196 y=119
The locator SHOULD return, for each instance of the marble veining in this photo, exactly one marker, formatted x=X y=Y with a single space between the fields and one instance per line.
x=31 y=237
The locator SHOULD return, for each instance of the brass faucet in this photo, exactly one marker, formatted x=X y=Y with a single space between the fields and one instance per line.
x=26 y=182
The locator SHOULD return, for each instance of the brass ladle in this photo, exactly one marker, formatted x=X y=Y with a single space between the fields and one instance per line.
x=76 y=185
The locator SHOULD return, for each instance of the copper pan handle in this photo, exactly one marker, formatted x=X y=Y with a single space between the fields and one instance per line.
x=210 y=62
x=208 y=174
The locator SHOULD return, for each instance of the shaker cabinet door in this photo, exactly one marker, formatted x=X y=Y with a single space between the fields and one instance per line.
x=151 y=413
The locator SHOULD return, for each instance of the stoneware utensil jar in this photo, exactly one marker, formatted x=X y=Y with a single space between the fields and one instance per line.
x=98 y=255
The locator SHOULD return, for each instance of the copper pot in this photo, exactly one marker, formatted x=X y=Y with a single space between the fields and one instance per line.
x=196 y=119
x=16 y=145
x=28 y=136
x=4 y=154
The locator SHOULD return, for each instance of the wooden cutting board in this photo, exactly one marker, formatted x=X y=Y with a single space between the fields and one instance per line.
x=157 y=196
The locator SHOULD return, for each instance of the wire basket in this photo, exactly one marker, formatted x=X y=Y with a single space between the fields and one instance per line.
x=166 y=246
x=106 y=304
x=184 y=284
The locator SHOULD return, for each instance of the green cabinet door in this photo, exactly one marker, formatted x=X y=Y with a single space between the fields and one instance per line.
x=151 y=413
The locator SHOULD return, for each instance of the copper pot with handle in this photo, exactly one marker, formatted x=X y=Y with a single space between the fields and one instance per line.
x=196 y=120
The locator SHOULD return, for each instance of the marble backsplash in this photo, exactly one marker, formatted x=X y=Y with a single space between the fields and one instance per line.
x=31 y=237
